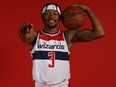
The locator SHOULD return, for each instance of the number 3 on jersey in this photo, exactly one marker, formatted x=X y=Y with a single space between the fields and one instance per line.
x=52 y=58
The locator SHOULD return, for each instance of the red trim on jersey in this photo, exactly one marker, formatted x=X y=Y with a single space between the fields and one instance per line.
x=45 y=36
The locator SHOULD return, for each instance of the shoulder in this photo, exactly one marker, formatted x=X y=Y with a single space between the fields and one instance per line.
x=70 y=33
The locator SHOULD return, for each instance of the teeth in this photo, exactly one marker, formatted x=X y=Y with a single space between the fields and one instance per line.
x=51 y=20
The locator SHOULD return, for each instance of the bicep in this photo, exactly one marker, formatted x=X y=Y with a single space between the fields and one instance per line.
x=84 y=35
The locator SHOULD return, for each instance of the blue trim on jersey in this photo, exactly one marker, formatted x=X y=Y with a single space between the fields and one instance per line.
x=44 y=55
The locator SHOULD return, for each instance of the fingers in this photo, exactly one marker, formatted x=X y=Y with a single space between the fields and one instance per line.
x=25 y=26
x=84 y=7
x=73 y=5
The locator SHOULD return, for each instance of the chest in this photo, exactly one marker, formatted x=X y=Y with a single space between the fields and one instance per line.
x=51 y=43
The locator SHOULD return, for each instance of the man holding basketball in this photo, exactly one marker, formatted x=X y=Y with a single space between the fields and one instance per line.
x=50 y=47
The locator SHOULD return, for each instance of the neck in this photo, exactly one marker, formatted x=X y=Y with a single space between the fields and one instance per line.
x=51 y=30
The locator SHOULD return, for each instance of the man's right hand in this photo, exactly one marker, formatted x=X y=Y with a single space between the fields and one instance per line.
x=25 y=28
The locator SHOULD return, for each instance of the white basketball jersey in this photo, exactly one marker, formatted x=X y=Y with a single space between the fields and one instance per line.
x=50 y=58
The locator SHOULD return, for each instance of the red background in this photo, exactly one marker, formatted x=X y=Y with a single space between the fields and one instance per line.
x=93 y=64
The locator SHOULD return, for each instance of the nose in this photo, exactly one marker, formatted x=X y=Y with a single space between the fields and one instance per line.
x=52 y=16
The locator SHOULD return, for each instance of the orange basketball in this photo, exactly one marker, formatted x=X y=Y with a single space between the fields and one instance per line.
x=73 y=17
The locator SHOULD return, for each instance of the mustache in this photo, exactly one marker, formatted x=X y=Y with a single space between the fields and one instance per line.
x=51 y=20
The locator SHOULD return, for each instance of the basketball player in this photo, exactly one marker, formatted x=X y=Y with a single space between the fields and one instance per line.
x=50 y=47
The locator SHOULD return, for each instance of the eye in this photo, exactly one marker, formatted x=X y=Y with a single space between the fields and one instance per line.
x=56 y=13
x=46 y=13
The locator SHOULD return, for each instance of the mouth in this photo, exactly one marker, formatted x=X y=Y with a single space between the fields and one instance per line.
x=51 y=21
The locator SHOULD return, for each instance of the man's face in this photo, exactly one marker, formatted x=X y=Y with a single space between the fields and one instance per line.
x=51 y=18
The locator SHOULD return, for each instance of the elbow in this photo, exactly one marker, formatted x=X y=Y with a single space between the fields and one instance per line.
x=101 y=34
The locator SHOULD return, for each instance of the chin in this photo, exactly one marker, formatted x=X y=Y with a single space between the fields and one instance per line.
x=51 y=27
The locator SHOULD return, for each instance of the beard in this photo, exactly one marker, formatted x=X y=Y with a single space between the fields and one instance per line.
x=51 y=27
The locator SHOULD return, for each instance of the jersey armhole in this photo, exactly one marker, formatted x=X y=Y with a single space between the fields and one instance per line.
x=66 y=42
x=33 y=49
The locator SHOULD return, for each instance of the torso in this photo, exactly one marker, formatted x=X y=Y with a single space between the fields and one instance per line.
x=50 y=58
